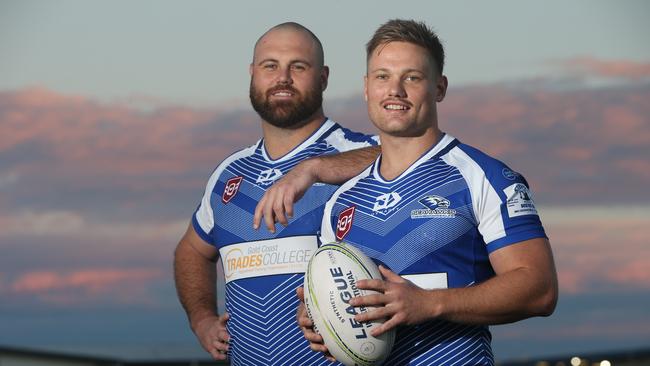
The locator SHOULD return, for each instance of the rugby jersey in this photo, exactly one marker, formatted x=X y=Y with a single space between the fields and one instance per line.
x=435 y=224
x=262 y=270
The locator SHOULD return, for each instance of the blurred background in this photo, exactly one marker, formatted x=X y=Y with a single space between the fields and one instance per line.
x=114 y=113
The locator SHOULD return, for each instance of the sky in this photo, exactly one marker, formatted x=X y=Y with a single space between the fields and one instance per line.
x=113 y=114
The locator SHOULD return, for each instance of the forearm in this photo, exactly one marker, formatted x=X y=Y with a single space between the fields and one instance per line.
x=509 y=297
x=195 y=278
x=338 y=168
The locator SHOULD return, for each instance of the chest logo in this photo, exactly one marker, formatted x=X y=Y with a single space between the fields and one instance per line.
x=436 y=206
x=268 y=176
x=386 y=201
x=344 y=223
x=231 y=189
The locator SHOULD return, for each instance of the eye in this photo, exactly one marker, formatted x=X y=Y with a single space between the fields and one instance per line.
x=269 y=67
x=381 y=76
x=298 y=67
x=413 y=78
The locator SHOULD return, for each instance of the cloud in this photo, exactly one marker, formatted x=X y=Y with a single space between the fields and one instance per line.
x=83 y=183
x=625 y=69
x=61 y=223
x=600 y=249
x=127 y=160
x=85 y=286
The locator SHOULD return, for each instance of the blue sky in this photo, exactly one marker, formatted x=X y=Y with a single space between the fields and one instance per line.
x=197 y=52
x=113 y=114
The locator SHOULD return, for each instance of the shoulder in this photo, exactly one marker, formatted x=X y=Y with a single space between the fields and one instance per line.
x=344 y=139
x=474 y=163
x=230 y=159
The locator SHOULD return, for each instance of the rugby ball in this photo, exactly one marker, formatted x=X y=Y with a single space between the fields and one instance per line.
x=330 y=283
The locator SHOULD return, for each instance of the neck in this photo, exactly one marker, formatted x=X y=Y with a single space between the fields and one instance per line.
x=279 y=141
x=399 y=153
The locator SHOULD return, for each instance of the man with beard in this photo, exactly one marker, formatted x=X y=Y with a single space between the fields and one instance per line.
x=262 y=269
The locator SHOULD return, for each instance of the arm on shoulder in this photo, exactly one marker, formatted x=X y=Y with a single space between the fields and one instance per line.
x=277 y=203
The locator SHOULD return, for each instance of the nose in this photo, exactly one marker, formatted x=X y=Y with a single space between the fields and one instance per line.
x=396 y=89
x=284 y=76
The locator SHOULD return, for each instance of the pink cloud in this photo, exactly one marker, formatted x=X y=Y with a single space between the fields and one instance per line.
x=114 y=285
x=608 y=68
x=602 y=252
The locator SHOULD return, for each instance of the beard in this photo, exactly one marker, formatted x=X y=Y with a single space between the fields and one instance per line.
x=286 y=114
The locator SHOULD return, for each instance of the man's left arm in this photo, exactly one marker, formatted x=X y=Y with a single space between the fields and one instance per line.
x=277 y=203
x=525 y=285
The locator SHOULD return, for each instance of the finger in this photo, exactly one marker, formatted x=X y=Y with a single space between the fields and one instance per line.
x=381 y=313
x=224 y=336
x=288 y=204
x=221 y=346
x=278 y=211
x=269 y=219
x=312 y=336
x=388 y=325
x=369 y=300
x=259 y=212
x=318 y=347
x=217 y=355
x=223 y=319
x=390 y=275
x=374 y=284
x=300 y=293
x=304 y=321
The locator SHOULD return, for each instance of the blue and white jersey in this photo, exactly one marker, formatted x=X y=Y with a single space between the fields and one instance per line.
x=435 y=225
x=262 y=270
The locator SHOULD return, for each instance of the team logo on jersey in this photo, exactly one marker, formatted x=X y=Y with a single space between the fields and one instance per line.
x=509 y=174
x=344 y=223
x=268 y=176
x=231 y=189
x=386 y=201
x=436 y=206
x=520 y=201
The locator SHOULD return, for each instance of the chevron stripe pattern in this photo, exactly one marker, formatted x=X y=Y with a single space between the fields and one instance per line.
x=263 y=332
x=262 y=309
x=432 y=241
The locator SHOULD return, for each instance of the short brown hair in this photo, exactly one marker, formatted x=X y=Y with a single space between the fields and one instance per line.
x=411 y=31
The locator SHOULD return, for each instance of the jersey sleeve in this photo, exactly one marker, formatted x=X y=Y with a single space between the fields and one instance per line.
x=343 y=139
x=203 y=218
x=502 y=201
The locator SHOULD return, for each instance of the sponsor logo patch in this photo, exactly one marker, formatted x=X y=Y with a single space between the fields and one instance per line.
x=509 y=174
x=344 y=223
x=386 y=201
x=268 y=176
x=436 y=206
x=231 y=189
x=267 y=257
x=520 y=201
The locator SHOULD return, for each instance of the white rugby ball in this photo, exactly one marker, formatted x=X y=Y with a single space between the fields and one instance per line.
x=330 y=283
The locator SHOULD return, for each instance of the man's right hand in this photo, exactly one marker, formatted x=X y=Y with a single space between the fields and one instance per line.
x=277 y=203
x=213 y=335
x=307 y=327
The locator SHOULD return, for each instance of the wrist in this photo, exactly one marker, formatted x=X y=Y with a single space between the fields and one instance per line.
x=198 y=318
x=312 y=168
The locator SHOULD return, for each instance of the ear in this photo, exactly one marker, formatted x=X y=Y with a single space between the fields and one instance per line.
x=324 y=75
x=365 y=88
x=441 y=88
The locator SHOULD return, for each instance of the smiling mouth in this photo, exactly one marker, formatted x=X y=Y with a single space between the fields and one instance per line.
x=282 y=93
x=396 y=107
